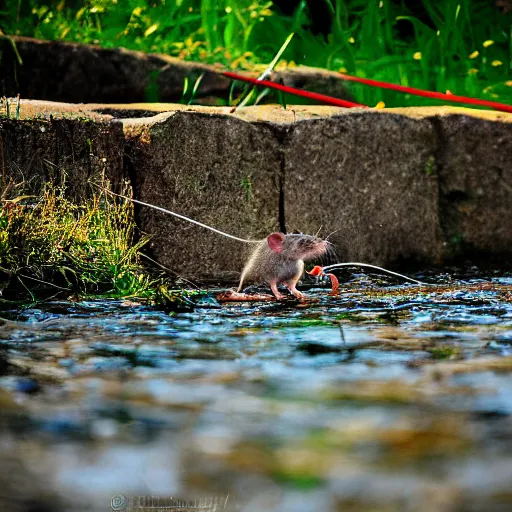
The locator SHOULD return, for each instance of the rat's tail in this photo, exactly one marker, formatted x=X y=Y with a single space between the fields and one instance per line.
x=182 y=217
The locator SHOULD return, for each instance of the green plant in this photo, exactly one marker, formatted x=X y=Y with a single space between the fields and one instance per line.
x=6 y=107
x=461 y=46
x=430 y=165
x=189 y=95
x=252 y=96
x=246 y=184
x=51 y=242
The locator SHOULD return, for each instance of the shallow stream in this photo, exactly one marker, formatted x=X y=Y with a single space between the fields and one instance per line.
x=384 y=398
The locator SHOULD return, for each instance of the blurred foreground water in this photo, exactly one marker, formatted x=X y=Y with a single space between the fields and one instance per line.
x=385 y=398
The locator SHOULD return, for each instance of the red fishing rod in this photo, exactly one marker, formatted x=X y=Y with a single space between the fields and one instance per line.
x=329 y=100
x=428 y=94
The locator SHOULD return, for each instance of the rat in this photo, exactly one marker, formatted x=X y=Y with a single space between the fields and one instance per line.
x=280 y=259
x=277 y=259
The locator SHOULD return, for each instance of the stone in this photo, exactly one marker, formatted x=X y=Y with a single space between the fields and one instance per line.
x=416 y=186
x=368 y=176
x=313 y=79
x=475 y=187
x=69 y=148
x=82 y=73
x=216 y=169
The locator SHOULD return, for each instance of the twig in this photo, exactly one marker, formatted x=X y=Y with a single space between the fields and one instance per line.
x=45 y=282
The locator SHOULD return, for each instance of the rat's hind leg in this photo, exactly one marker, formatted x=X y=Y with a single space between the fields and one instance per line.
x=275 y=291
x=291 y=286
x=242 y=277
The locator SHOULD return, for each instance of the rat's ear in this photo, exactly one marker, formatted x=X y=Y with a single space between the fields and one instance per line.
x=276 y=241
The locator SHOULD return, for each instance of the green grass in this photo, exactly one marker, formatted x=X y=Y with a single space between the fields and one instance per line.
x=51 y=245
x=10 y=108
x=463 y=46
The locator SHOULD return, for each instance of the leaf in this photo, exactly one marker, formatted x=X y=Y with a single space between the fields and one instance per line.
x=196 y=87
x=268 y=70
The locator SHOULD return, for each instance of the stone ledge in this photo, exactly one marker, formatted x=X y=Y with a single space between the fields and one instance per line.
x=368 y=178
x=423 y=185
x=218 y=170
x=119 y=75
x=67 y=148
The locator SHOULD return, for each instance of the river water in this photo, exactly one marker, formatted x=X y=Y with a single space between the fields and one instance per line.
x=383 y=398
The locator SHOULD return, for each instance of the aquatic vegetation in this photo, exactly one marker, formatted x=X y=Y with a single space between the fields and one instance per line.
x=444 y=352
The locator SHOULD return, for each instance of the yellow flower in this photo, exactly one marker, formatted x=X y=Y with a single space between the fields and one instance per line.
x=417 y=56
x=342 y=70
x=351 y=40
x=151 y=29
x=381 y=104
x=487 y=43
x=472 y=71
x=508 y=83
x=496 y=63
x=474 y=55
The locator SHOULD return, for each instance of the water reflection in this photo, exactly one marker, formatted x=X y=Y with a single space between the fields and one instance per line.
x=383 y=398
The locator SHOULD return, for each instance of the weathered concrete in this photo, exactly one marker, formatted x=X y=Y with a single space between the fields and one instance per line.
x=86 y=73
x=422 y=186
x=216 y=169
x=82 y=73
x=475 y=177
x=378 y=177
x=73 y=150
x=368 y=176
x=311 y=79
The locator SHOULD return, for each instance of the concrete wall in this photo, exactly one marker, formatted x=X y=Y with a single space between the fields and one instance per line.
x=399 y=186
